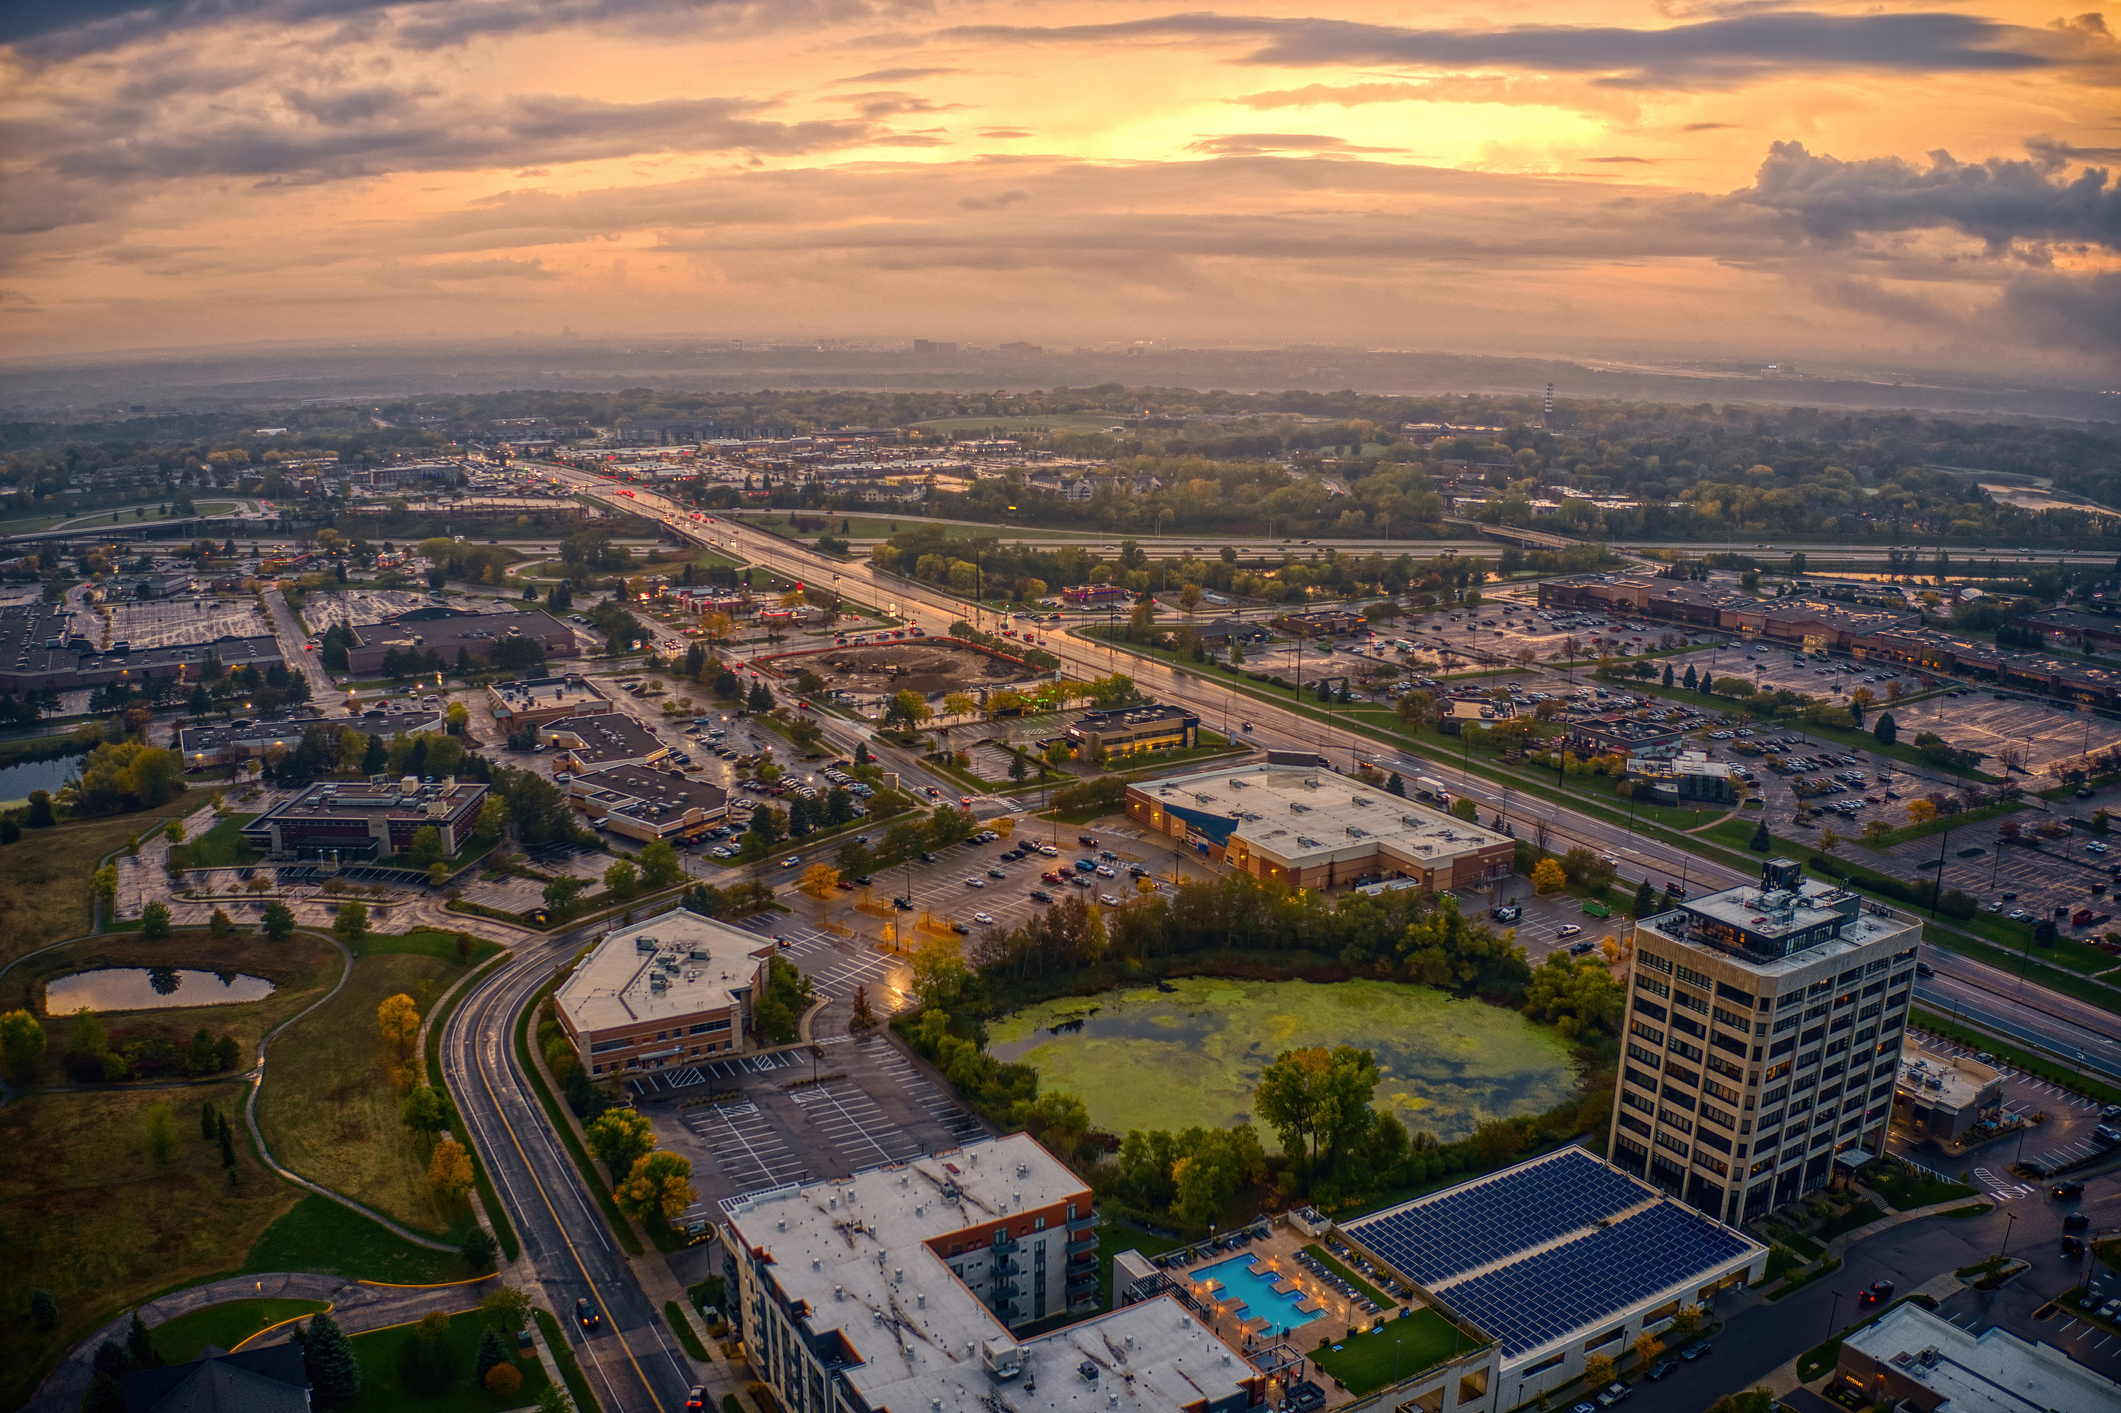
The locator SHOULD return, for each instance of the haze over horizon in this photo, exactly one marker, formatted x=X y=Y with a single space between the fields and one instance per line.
x=1852 y=183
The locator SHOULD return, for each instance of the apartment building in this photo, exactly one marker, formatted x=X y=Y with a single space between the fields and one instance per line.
x=1763 y=1037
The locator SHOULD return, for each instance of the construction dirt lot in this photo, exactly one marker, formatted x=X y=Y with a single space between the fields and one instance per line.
x=926 y=668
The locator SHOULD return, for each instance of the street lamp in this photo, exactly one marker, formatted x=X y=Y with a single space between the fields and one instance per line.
x=1830 y=1312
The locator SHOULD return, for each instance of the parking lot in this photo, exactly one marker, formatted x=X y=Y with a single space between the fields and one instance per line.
x=2064 y=1137
x=176 y=622
x=356 y=606
x=1987 y=721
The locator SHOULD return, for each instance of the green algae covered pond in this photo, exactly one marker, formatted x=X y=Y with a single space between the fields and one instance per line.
x=1150 y=1059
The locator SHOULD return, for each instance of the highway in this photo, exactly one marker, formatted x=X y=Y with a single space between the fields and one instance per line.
x=1273 y=726
x=629 y=1361
x=2003 y=1002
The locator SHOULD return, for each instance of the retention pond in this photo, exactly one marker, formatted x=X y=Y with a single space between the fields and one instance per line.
x=1190 y=1054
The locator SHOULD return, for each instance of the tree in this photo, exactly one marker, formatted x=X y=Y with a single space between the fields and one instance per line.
x=1761 y=842
x=398 y=1021
x=140 y=1344
x=154 y=921
x=1497 y=1141
x=1685 y=1322
x=1885 y=729
x=503 y=1381
x=1597 y=1371
x=1465 y=809
x=819 y=880
x=1396 y=786
x=449 y=1171
x=161 y=1135
x=1548 y=876
x=209 y=1128
x=659 y=865
x=659 y=1184
x=553 y=1398
x=423 y=1360
x=478 y=1248
x=423 y=1110
x=21 y=1046
x=508 y=1306
x=939 y=973
x=40 y=810
x=351 y=924
x=1645 y=901
x=227 y=1134
x=1314 y=1099
x=278 y=920
x=622 y=878
x=220 y=924
x=621 y=1138
x=426 y=847
x=561 y=892
x=1648 y=1348
x=104 y=1393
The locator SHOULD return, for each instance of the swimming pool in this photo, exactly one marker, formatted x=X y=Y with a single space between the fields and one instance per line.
x=1256 y=1292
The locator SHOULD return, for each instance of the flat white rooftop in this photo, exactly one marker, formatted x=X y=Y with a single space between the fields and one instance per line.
x=1993 y=1372
x=1308 y=815
x=675 y=965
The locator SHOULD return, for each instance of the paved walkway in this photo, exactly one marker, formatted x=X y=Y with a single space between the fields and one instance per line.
x=356 y=1305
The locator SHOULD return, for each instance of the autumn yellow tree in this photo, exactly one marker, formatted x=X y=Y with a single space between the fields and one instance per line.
x=449 y=1171
x=660 y=1183
x=1920 y=811
x=960 y=704
x=1547 y=876
x=819 y=880
x=1597 y=1371
x=398 y=1018
x=1648 y=1348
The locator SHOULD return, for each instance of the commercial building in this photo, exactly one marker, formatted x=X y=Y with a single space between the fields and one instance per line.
x=1295 y=822
x=1322 y=623
x=2070 y=628
x=674 y=988
x=447 y=631
x=1942 y=1096
x=1132 y=729
x=899 y=1291
x=1605 y=735
x=370 y=820
x=517 y=706
x=649 y=804
x=204 y=746
x=1557 y=1259
x=41 y=650
x=587 y=744
x=1690 y=778
x=1096 y=595
x=1457 y=713
x=1763 y=1037
x=1922 y=1363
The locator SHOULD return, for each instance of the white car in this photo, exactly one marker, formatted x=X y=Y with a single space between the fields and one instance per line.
x=2094 y=846
x=1568 y=929
x=975 y=883
x=986 y=919
x=1108 y=900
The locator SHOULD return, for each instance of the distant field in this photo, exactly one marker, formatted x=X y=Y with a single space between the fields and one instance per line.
x=125 y=514
x=1012 y=426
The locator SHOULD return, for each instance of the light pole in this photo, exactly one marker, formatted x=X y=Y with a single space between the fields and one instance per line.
x=2010 y=1220
x=1830 y=1313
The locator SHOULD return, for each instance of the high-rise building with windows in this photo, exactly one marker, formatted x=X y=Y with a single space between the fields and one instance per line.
x=1762 y=1039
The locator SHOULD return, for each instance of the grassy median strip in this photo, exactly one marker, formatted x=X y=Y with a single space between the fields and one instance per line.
x=1370 y=1292
x=570 y=1367
x=687 y=1335
x=562 y=1125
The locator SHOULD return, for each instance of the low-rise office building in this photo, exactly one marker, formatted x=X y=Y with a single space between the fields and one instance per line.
x=1131 y=729
x=1942 y=1096
x=1293 y=821
x=205 y=746
x=1913 y=1359
x=646 y=804
x=372 y=819
x=1606 y=735
x=605 y=741
x=445 y=632
x=1557 y=1259
x=1690 y=778
x=675 y=988
x=518 y=706
x=1455 y=714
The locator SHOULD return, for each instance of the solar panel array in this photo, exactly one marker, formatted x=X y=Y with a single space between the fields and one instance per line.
x=1436 y=1238
x=1575 y=1285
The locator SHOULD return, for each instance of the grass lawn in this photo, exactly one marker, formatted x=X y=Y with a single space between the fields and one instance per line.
x=300 y=968
x=382 y=1391
x=1115 y=1237
x=224 y=1326
x=1862 y=1214
x=318 y=1234
x=90 y=1217
x=1395 y=1350
x=222 y=846
x=329 y=1105
x=1330 y=1262
x=44 y=875
x=1903 y=1189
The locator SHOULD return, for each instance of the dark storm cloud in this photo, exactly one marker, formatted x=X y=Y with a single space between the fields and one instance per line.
x=1997 y=201
x=2082 y=311
x=58 y=29
x=2053 y=154
x=1712 y=53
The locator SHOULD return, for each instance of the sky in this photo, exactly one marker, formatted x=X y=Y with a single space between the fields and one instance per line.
x=1753 y=181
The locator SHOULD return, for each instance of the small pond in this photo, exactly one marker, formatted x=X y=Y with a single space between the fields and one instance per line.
x=150 y=989
x=17 y=781
x=1190 y=1054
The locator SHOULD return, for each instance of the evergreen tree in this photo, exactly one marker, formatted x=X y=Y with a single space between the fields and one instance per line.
x=334 y=1376
x=1668 y=674
x=208 y=1129
x=140 y=1346
x=112 y=1359
x=1886 y=729
x=802 y=817
x=491 y=1352
x=1396 y=786
x=228 y=1144
x=375 y=756
x=104 y=1395
x=1760 y=842
x=1708 y=683
x=861 y=753
x=760 y=700
x=1692 y=679
x=1856 y=710
x=1645 y=899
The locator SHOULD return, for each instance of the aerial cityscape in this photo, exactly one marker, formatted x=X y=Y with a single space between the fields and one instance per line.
x=955 y=708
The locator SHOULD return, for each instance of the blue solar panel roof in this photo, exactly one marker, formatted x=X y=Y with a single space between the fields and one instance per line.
x=1434 y=1238
x=1533 y=1302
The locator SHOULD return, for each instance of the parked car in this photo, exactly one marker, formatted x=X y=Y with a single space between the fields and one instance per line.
x=2066 y=1191
x=1662 y=1367
x=1695 y=1350
x=1612 y=1393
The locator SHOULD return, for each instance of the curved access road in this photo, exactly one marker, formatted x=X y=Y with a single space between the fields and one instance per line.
x=629 y=1360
